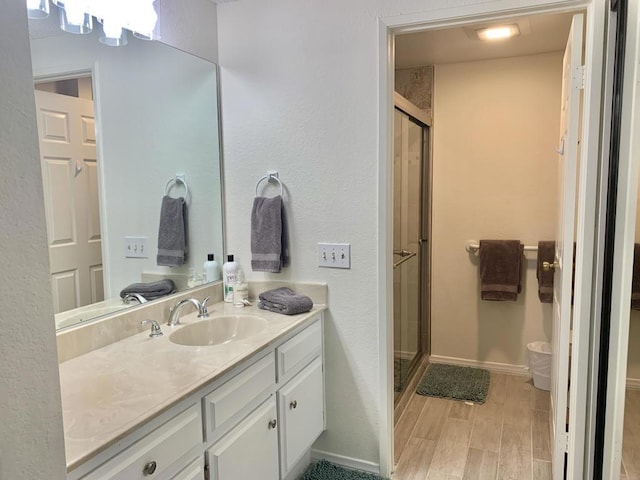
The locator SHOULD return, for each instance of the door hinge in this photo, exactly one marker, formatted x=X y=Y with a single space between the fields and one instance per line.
x=564 y=442
x=581 y=76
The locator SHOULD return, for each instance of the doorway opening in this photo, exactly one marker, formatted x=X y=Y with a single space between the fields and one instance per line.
x=495 y=120
x=69 y=161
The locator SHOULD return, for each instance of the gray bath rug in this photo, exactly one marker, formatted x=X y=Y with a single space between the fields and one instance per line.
x=324 y=470
x=458 y=383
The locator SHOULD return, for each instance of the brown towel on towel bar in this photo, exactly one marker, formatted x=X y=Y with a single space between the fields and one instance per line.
x=635 y=280
x=500 y=269
x=546 y=253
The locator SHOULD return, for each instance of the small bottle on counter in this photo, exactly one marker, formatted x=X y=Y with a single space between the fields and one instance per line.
x=211 y=269
x=193 y=280
x=240 y=290
x=229 y=272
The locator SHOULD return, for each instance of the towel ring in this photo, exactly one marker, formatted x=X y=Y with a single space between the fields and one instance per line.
x=268 y=177
x=174 y=181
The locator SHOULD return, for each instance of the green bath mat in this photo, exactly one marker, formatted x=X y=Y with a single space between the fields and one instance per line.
x=324 y=470
x=459 y=383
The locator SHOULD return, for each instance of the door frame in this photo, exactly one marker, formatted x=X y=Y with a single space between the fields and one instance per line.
x=615 y=347
x=388 y=27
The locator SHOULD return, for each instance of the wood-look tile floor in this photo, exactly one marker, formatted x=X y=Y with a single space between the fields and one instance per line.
x=631 y=437
x=506 y=438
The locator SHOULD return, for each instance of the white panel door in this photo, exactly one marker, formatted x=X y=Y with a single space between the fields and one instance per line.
x=565 y=233
x=250 y=450
x=66 y=129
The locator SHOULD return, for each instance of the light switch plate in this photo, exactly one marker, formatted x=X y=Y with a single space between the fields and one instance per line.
x=136 y=247
x=334 y=255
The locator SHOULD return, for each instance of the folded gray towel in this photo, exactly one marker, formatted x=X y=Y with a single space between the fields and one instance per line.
x=284 y=300
x=500 y=269
x=269 y=243
x=172 y=233
x=151 y=290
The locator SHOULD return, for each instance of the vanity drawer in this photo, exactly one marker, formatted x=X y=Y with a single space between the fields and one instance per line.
x=193 y=471
x=157 y=451
x=296 y=353
x=246 y=389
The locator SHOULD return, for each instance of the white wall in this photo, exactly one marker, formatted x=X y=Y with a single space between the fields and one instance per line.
x=31 y=444
x=495 y=130
x=157 y=115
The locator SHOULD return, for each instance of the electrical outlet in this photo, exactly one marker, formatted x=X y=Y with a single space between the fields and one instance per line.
x=334 y=255
x=136 y=247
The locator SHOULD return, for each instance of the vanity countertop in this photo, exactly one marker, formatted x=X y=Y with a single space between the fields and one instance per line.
x=109 y=392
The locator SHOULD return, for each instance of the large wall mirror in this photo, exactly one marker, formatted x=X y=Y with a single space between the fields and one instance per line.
x=117 y=126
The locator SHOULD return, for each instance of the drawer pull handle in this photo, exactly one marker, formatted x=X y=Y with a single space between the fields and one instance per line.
x=273 y=424
x=293 y=404
x=150 y=468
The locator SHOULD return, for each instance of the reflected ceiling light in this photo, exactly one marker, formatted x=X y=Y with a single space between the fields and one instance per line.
x=113 y=34
x=116 y=16
x=498 y=32
x=37 y=8
x=74 y=17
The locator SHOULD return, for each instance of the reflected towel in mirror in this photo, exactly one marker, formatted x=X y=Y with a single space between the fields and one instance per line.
x=151 y=290
x=172 y=232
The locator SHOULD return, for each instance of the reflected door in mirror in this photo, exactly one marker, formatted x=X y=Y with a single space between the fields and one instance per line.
x=66 y=130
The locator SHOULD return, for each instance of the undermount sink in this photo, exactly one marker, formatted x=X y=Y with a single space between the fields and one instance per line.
x=218 y=330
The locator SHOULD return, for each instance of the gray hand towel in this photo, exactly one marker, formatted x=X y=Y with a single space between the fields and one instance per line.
x=546 y=253
x=269 y=243
x=500 y=269
x=635 y=279
x=284 y=300
x=151 y=290
x=172 y=233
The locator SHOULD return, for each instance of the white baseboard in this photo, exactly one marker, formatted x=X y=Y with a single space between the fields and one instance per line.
x=348 y=462
x=491 y=366
x=633 y=383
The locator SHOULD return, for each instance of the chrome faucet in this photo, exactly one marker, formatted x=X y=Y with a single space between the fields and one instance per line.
x=130 y=297
x=174 y=313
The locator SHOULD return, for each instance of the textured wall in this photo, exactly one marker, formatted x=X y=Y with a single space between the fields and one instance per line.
x=416 y=85
x=300 y=94
x=31 y=444
x=496 y=125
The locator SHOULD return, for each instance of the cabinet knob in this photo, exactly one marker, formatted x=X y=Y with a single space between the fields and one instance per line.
x=273 y=424
x=149 y=468
x=293 y=404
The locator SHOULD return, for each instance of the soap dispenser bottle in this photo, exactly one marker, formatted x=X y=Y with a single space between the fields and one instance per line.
x=240 y=290
x=229 y=272
x=211 y=269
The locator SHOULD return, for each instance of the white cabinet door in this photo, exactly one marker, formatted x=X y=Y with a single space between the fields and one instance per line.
x=301 y=405
x=250 y=450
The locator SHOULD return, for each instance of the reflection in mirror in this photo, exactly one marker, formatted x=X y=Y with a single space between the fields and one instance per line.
x=156 y=117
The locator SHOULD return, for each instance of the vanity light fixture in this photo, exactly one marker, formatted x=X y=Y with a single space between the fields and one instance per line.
x=116 y=17
x=37 y=9
x=498 y=32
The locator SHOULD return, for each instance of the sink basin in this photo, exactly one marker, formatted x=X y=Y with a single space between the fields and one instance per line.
x=219 y=330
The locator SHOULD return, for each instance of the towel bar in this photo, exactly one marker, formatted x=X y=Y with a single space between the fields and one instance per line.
x=473 y=246
x=175 y=180
x=271 y=175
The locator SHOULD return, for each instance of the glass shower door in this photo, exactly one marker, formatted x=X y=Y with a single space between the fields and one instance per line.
x=409 y=138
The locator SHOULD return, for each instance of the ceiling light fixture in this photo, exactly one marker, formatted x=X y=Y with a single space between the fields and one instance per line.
x=498 y=32
x=116 y=16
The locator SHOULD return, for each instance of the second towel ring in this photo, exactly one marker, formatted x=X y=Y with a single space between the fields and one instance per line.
x=268 y=177
x=176 y=180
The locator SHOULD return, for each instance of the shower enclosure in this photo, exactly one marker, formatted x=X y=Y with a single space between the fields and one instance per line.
x=410 y=244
